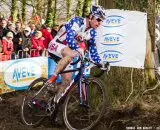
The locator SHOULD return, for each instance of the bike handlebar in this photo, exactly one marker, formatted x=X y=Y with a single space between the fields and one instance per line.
x=80 y=58
x=102 y=68
x=73 y=63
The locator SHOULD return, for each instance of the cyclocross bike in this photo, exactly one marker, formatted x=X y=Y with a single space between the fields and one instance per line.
x=84 y=100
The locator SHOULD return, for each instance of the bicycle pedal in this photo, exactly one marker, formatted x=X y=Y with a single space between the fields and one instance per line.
x=84 y=105
x=50 y=107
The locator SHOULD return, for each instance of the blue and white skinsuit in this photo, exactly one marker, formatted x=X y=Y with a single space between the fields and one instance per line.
x=69 y=35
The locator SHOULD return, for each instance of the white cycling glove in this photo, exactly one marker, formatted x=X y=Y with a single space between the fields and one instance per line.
x=105 y=66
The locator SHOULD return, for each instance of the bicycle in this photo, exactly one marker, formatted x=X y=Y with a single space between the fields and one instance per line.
x=84 y=100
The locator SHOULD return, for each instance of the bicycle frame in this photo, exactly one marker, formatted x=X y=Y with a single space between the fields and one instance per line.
x=78 y=78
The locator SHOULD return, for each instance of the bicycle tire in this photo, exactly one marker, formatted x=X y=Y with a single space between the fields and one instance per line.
x=97 y=72
x=71 y=116
x=31 y=120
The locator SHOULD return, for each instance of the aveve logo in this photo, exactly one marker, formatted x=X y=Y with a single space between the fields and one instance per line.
x=115 y=21
x=113 y=39
x=20 y=74
x=112 y=56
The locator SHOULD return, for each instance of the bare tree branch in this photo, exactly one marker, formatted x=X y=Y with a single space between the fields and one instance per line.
x=8 y=3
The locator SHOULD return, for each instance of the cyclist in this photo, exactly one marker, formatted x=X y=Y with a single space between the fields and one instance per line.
x=63 y=48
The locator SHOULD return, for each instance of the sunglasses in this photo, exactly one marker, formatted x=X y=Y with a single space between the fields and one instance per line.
x=98 y=19
x=26 y=30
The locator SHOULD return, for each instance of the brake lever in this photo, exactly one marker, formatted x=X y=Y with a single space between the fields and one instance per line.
x=108 y=67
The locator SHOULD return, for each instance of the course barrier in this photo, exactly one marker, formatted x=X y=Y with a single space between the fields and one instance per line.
x=23 y=54
x=19 y=73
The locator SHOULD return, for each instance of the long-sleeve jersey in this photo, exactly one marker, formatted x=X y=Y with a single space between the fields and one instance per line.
x=75 y=31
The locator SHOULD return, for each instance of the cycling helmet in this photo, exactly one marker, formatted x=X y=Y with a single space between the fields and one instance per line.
x=98 y=12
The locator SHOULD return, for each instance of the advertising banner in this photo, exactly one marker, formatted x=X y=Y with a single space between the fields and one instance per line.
x=121 y=39
x=18 y=74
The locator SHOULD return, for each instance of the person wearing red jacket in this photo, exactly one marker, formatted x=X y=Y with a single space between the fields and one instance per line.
x=7 y=46
x=37 y=44
x=47 y=36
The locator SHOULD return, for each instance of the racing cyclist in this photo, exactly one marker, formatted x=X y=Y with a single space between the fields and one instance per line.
x=63 y=48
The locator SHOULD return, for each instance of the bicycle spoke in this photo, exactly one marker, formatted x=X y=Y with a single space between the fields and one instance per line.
x=72 y=106
x=34 y=105
x=81 y=116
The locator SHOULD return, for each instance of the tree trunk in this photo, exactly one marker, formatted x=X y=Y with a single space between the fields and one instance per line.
x=39 y=8
x=45 y=10
x=96 y=2
x=151 y=21
x=55 y=12
x=107 y=4
x=49 y=19
x=79 y=8
x=86 y=7
x=68 y=2
x=157 y=8
x=14 y=10
x=24 y=10
x=34 y=7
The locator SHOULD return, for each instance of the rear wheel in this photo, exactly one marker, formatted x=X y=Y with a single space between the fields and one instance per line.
x=80 y=117
x=33 y=109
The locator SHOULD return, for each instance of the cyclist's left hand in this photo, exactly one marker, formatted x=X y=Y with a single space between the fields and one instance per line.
x=105 y=66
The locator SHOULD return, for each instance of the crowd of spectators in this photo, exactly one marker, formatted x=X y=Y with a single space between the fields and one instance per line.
x=19 y=40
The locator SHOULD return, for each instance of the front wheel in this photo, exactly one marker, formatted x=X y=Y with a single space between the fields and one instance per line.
x=80 y=117
x=34 y=104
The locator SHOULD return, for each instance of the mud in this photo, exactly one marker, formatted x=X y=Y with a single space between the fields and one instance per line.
x=122 y=119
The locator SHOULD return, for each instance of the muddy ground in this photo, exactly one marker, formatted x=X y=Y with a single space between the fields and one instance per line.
x=119 y=119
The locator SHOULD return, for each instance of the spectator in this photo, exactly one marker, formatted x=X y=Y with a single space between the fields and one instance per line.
x=54 y=30
x=11 y=28
x=24 y=43
x=18 y=28
x=1 y=50
x=7 y=46
x=3 y=28
x=23 y=26
x=1 y=17
x=37 y=43
x=49 y=29
x=0 y=46
x=47 y=37
x=33 y=29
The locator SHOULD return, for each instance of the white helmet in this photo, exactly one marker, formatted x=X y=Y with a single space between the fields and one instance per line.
x=98 y=12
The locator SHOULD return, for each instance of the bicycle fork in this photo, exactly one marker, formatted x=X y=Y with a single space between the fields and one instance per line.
x=83 y=91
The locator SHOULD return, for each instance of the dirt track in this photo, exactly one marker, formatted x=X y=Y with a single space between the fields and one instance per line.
x=114 y=119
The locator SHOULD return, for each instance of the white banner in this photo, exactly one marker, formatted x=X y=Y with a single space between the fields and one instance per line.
x=121 y=39
x=18 y=74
